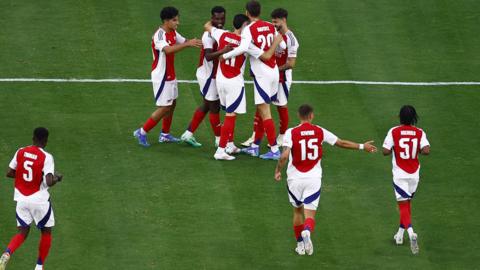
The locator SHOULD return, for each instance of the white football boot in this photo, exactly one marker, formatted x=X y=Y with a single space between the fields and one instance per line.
x=222 y=155
x=280 y=140
x=398 y=237
x=300 y=249
x=4 y=260
x=414 y=244
x=249 y=141
x=232 y=149
x=307 y=242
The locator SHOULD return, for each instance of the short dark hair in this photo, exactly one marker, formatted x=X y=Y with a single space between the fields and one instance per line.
x=253 y=7
x=217 y=9
x=40 y=134
x=168 y=13
x=239 y=20
x=305 y=110
x=279 y=13
x=408 y=115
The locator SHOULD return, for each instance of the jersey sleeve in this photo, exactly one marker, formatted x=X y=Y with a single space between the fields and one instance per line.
x=292 y=45
x=287 y=138
x=13 y=163
x=160 y=40
x=329 y=137
x=216 y=34
x=388 y=142
x=254 y=51
x=180 y=39
x=207 y=41
x=282 y=44
x=244 y=44
x=48 y=166
x=423 y=141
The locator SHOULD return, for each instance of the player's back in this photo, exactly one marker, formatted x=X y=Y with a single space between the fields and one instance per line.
x=232 y=67
x=407 y=142
x=29 y=170
x=262 y=34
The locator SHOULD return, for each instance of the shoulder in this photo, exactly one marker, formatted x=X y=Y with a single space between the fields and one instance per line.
x=160 y=33
x=292 y=40
x=47 y=154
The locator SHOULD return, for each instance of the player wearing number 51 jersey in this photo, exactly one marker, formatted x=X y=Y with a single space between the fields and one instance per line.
x=302 y=147
x=33 y=170
x=406 y=141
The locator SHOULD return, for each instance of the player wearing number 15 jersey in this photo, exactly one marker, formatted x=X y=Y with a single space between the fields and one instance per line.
x=302 y=147
x=33 y=170
x=406 y=141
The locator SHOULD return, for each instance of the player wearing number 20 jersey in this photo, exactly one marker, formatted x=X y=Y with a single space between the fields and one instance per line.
x=406 y=141
x=303 y=148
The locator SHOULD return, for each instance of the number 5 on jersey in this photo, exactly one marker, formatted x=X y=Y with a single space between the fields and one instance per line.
x=309 y=149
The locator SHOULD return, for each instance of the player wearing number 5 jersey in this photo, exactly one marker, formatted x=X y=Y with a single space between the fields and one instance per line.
x=33 y=170
x=265 y=75
x=406 y=141
x=302 y=147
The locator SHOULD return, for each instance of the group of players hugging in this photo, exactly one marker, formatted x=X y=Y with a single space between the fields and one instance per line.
x=272 y=50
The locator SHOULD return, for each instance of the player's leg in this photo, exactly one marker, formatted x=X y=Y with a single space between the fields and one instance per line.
x=269 y=127
x=226 y=131
x=412 y=188
x=298 y=226
x=311 y=197
x=45 y=220
x=403 y=197
x=44 y=247
x=251 y=139
x=197 y=118
x=165 y=136
x=282 y=109
x=214 y=117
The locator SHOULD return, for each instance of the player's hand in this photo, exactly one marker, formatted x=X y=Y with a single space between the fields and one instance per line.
x=277 y=40
x=369 y=147
x=58 y=177
x=194 y=42
x=227 y=49
x=278 y=176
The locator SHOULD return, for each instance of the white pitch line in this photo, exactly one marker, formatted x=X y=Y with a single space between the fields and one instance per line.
x=121 y=80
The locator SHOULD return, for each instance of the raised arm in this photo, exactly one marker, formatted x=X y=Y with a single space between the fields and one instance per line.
x=281 y=163
x=178 y=47
x=243 y=47
x=367 y=146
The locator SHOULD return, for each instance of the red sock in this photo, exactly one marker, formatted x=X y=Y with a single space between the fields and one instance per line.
x=404 y=214
x=15 y=243
x=149 y=124
x=215 y=123
x=167 y=123
x=258 y=128
x=283 y=115
x=232 y=136
x=196 y=120
x=270 y=130
x=298 y=232
x=44 y=247
x=409 y=216
x=227 y=130
x=309 y=224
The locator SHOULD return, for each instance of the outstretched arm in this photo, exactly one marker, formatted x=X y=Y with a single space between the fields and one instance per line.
x=281 y=163
x=367 y=146
x=178 y=47
x=211 y=55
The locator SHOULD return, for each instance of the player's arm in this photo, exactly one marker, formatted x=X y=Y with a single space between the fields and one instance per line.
x=386 y=151
x=10 y=173
x=271 y=51
x=281 y=163
x=289 y=65
x=366 y=146
x=178 y=47
x=53 y=179
x=211 y=55
x=388 y=144
x=425 y=150
x=243 y=47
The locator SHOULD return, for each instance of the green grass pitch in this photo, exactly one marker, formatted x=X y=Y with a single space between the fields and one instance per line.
x=121 y=206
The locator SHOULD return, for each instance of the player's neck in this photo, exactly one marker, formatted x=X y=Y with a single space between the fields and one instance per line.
x=166 y=28
x=284 y=30
x=38 y=145
x=252 y=19
x=237 y=32
x=305 y=122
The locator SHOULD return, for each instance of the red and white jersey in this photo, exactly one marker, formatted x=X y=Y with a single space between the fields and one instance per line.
x=31 y=164
x=235 y=66
x=207 y=69
x=260 y=34
x=305 y=142
x=282 y=55
x=406 y=143
x=163 y=66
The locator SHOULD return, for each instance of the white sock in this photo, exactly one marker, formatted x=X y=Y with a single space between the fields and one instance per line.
x=254 y=145
x=217 y=140
x=410 y=232
x=188 y=134
x=274 y=148
x=230 y=144
x=401 y=231
x=39 y=267
x=143 y=132
x=220 y=150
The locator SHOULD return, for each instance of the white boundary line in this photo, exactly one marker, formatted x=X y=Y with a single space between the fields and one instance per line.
x=121 y=80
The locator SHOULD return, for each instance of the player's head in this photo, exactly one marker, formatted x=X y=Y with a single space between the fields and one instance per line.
x=305 y=113
x=408 y=115
x=40 y=136
x=169 y=16
x=253 y=9
x=279 y=18
x=239 y=21
x=218 y=16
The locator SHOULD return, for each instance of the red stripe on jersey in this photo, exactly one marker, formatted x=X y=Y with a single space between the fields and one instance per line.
x=155 y=53
x=171 y=38
x=215 y=61
x=306 y=146
x=262 y=36
x=232 y=67
x=406 y=141
x=281 y=58
x=29 y=172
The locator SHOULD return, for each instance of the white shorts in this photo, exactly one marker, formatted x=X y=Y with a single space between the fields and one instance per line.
x=165 y=92
x=208 y=89
x=41 y=213
x=265 y=89
x=405 y=188
x=232 y=96
x=282 y=95
x=304 y=192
